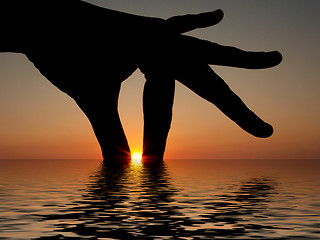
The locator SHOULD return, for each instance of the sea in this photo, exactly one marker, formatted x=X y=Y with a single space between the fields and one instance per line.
x=176 y=199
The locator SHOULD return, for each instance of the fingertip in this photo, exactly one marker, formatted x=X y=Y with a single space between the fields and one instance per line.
x=186 y=23
x=262 y=130
x=219 y=14
x=277 y=56
x=214 y=17
x=256 y=126
x=266 y=132
x=263 y=60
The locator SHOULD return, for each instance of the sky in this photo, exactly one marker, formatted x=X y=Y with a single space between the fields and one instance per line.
x=37 y=121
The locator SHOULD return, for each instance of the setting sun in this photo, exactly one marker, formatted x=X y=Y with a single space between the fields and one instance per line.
x=136 y=157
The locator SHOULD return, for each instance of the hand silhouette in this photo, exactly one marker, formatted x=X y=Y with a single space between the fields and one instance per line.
x=87 y=52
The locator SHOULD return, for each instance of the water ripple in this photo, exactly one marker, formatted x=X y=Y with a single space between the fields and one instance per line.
x=151 y=201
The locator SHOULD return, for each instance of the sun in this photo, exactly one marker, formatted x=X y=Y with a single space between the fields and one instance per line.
x=136 y=157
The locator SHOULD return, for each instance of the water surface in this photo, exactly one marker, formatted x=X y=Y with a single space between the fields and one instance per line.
x=180 y=199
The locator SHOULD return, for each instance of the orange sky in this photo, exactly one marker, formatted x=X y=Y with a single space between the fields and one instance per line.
x=38 y=121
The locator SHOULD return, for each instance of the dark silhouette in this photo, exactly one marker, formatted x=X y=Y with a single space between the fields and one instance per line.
x=88 y=51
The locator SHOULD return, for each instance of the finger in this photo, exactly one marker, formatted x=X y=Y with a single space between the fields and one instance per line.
x=100 y=106
x=157 y=108
x=213 y=53
x=186 y=23
x=203 y=81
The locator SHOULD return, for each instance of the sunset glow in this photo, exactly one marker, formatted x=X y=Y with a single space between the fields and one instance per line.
x=136 y=157
x=38 y=121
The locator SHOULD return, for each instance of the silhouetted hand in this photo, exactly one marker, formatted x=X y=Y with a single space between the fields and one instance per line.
x=87 y=52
